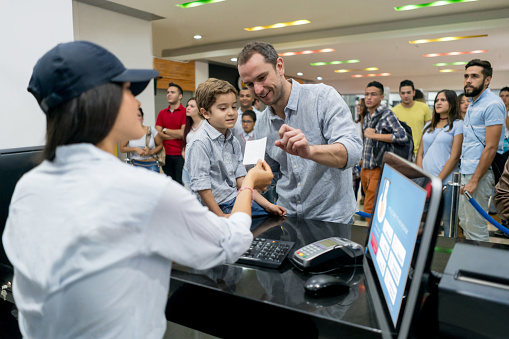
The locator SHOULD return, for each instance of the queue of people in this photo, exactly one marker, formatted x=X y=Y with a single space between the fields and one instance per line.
x=463 y=134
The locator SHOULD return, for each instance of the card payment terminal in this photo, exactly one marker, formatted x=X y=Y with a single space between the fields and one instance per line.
x=328 y=249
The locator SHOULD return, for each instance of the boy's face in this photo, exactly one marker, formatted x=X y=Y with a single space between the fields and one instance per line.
x=247 y=123
x=223 y=113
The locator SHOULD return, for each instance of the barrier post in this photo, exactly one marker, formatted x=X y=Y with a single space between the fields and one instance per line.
x=455 y=186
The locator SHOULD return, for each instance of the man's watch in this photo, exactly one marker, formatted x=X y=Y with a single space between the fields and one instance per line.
x=164 y=130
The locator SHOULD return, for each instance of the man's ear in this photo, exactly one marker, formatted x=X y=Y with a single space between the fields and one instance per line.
x=280 y=66
x=487 y=81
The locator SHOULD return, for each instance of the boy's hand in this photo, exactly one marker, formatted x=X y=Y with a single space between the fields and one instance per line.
x=261 y=175
x=276 y=210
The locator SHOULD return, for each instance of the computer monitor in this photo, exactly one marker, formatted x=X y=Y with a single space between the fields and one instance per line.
x=13 y=164
x=400 y=244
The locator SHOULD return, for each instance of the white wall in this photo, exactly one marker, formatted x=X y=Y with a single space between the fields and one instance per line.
x=130 y=39
x=29 y=28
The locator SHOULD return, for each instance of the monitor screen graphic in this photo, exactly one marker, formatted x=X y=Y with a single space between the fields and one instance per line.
x=393 y=234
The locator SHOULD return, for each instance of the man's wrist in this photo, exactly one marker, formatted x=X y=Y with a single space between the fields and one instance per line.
x=164 y=130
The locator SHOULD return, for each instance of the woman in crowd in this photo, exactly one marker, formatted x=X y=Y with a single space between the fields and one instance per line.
x=463 y=102
x=194 y=122
x=440 y=148
x=91 y=239
x=143 y=151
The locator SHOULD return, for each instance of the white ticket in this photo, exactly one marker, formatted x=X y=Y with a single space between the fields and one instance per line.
x=255 y=149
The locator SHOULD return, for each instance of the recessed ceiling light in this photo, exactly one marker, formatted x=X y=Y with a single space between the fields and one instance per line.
x=197 y=3
x=450 y=38
x=356 y=70
x=300 y=74
x=318 y=78
x=234 y=59
x=432 y=55
x=278 y=25
x=459 y=63
x=325 y=50
x=430 y=4
x=334 y=62
x=197 y=37
x=370 y=75
x=451 y=70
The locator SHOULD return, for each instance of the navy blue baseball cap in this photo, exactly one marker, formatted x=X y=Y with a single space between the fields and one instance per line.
x=72 y=68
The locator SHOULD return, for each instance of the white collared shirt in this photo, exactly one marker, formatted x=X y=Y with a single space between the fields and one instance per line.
x=92 y=240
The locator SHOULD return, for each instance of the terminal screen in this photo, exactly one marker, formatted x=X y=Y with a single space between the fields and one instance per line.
x=394 y=229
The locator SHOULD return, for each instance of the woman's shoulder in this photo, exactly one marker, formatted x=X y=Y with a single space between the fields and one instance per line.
x=457 y=125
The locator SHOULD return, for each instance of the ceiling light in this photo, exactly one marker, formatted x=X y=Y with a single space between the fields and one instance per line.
x=451 y=38
x=300 y=74
x=356 y=70
x=430 y=4
x=334 y=62
x=197 y=3
x=459 y=63
x=197 y=37
x=278 y=25
x=233 y=59
x=325 y=50
x=318 y=78
x=432 y=55
x=370 y=75
x=451 y=70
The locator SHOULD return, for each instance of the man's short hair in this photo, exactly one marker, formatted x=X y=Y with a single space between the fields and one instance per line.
x=487 y=70
x=264 y=48
x=407 y=83
x=505 y=89
x=377 y=85
x=207 y=92
x=171 y=84
x=250 y=114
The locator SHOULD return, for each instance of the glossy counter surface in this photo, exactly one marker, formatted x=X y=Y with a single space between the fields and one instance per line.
x=237 y=294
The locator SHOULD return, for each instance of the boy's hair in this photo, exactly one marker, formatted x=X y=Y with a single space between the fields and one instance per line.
x=487 y=70
x=377 y=85
x=171 y=84
x=264 y=48
x=407 y=83
x=207 y=92
x=250 y=114
x=505 y=89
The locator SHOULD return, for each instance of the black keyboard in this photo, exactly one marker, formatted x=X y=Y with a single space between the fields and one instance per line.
x=266 y=253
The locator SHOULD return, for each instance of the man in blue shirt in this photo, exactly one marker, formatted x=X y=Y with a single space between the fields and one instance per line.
x=482 y=139
x=311 y=138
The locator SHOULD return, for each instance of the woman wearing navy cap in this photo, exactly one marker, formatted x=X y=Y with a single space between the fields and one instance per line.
x=91 y=254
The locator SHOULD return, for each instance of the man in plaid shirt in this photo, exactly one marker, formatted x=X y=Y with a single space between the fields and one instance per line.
x=380 y=124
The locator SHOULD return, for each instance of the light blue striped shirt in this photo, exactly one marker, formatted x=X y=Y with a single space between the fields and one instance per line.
x=214 y=162
x=487 y=110
x=306 y=188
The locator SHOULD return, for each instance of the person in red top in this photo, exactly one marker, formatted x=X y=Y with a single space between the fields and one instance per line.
x=170 y=124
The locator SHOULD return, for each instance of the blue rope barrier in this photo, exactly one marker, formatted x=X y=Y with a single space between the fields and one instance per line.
x=484 y=214
x=363 y=214
x=474 y=204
